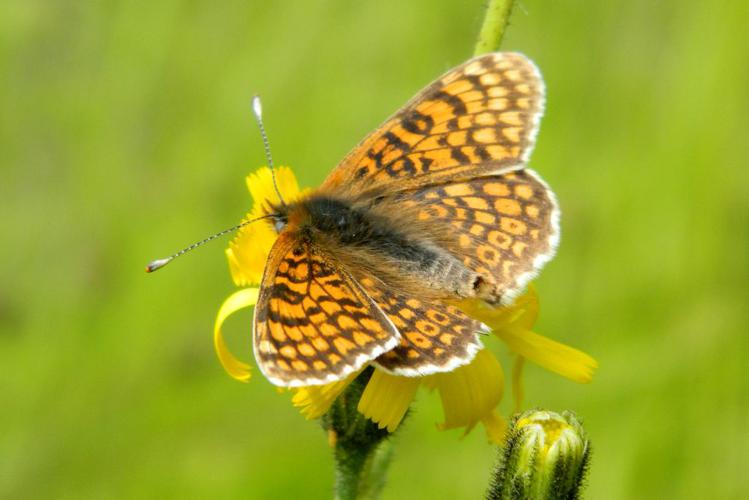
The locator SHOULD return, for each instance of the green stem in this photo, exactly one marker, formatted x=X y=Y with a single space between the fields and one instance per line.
x=361 y=449
x=495 y=21
x=361 y=476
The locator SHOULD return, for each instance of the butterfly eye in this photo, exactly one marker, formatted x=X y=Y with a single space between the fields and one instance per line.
x=279 y=223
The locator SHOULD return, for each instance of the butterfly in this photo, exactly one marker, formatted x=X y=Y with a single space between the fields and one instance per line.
x=434 y=207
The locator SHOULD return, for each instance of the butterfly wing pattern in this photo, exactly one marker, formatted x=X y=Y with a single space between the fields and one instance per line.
x=313 y=323
x=479 y=118
x=503 y=226
x=435 y=337
x=455 y=159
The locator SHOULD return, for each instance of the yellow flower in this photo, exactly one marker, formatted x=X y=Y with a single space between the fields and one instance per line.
x=250 y=248
x=470 y=394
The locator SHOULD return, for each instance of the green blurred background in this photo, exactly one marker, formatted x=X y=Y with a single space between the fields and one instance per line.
x=125 y=133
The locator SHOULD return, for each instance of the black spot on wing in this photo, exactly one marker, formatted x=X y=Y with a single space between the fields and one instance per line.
x=458 y=106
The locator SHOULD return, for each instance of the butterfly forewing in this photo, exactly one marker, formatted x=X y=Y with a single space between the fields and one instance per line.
x=480 y=117
x=313 y=322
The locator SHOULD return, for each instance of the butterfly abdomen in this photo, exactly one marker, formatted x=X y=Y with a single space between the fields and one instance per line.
x=381 y=245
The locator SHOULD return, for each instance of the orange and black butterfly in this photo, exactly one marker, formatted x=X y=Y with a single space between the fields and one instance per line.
x=434 y=207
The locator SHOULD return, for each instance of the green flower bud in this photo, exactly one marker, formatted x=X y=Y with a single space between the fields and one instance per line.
x=545 y=457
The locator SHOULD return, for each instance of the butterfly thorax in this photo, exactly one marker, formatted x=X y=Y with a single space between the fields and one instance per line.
x=369 y=243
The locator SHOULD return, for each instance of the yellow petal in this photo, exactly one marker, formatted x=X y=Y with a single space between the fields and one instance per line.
x=386 y=398
x=522 y=313
x=554 y=356
x=526 y=308
x=260 y=185
x=513 y=325
x=249 y=249
x=315 y=400
x=470 y=393
x=495 y=426
x=240 y=299
x=248 y=252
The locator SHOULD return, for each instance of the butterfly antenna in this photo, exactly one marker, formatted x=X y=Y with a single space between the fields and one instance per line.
x=257 y=110
x=159 y=263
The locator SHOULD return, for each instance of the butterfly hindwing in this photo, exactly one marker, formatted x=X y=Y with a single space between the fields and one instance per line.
x=435 y=337
x=505 y=227
x=480 y=117
x=313 y=322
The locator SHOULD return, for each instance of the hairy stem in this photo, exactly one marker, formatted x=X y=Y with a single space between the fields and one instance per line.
x=361 y=449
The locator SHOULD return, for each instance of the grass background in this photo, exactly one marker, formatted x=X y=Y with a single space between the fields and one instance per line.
x=125 y=132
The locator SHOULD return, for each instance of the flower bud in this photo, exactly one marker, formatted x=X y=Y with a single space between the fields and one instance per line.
x=545 y=457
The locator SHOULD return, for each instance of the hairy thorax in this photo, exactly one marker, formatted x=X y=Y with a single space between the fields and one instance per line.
x=371 y=243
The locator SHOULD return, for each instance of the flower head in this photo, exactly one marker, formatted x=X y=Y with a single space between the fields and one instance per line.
x=470 y=394
x=249 y=250
x=545 y=456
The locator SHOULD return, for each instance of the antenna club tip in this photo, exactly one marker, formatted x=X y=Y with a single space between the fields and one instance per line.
x=257 y=106
x=157 y=264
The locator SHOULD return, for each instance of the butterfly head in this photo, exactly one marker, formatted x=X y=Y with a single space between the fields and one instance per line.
x=278 y=215
x=279 y=222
